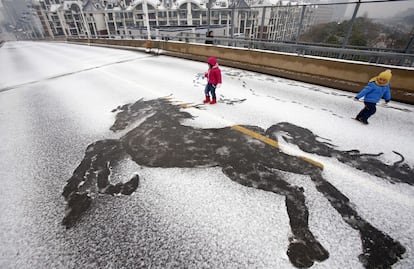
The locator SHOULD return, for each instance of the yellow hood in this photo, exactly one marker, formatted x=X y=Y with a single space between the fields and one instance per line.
x=384 y=75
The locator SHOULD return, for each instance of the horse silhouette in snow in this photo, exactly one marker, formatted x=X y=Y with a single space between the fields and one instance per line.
x=154 y=137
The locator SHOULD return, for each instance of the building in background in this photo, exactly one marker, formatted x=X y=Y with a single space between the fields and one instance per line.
x=326 y=12
x=283 y=20
x=269 y=20
x=20 y=19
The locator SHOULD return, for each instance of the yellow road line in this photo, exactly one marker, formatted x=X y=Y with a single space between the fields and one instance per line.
x=258 y=136
x=271 y=142
x=179 y=103
x=185 y=105
x=315 y=163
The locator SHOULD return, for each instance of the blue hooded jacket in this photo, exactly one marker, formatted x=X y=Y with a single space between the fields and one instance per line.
x=373 y=93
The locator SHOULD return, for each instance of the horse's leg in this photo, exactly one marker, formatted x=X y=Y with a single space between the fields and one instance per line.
x=304 y=249
x=379 y=249
x=92 y=176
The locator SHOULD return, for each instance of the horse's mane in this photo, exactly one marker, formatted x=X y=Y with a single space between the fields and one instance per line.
x=161 y=108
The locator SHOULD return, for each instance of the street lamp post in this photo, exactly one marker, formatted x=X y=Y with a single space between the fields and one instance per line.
x=145 y=9
x=210 y=2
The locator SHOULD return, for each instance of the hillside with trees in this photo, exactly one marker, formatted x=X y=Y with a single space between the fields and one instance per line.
x=391 y=34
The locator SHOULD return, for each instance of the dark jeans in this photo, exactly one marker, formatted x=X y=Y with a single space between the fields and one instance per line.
x=367 y=111
x=210 y=88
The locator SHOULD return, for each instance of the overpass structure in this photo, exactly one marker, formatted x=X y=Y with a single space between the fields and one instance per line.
x=110 y=159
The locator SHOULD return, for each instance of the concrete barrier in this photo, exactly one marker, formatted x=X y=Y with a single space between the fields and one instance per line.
x=343 y=75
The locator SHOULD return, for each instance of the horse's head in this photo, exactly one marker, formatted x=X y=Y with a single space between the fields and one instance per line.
x=132 y=115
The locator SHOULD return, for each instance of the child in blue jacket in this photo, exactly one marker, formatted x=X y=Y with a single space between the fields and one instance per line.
x=378 y=87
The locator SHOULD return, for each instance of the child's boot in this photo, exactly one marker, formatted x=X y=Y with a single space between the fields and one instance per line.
x=213 y=101
x=207 y=100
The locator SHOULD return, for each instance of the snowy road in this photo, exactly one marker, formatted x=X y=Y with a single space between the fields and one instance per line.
x=56 y=99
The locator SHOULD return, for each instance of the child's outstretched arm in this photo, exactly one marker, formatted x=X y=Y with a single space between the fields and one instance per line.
x=364 y=91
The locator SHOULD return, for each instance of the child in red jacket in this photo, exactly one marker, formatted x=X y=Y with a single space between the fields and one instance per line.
x=213 y=76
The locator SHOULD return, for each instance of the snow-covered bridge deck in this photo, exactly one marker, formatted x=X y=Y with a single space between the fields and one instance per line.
x=56 y=99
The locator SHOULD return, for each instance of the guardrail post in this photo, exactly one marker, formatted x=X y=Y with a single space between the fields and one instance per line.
x=262 y=24
x=300 y=23
x=351 y=24
x=410 y=43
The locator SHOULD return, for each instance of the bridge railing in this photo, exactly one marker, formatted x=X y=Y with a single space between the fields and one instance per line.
x=383 y=56
x=345 y=75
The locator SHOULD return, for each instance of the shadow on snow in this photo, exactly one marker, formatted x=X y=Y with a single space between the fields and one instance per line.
x=155 y=138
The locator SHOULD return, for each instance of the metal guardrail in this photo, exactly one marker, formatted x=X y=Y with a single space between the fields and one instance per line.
x=363 y=54
x=367 y=55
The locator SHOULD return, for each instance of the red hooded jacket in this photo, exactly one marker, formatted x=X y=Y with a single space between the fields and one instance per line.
x=213 y=74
